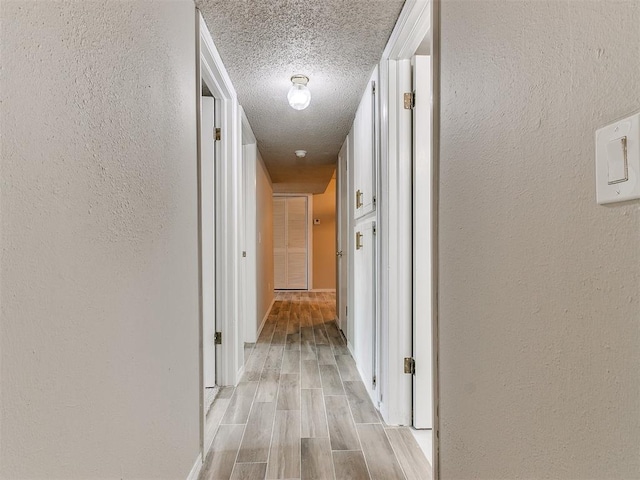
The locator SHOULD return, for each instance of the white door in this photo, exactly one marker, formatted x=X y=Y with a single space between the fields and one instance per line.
x=207 y=219
x=279 y=243
x=290 y=228
x=422 y=245
x=365 y=129
x=342 y=236
x=364 y=311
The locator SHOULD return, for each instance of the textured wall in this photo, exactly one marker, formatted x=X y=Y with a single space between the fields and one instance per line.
x=99 y=323
x=324 y=238
x=264 y=242
x=539 y=286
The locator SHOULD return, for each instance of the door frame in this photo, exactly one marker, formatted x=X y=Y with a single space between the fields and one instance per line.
x=419 y=19
x=228 y=171
x=249 y=280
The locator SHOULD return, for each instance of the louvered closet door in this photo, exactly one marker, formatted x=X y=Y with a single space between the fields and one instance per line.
x=279 y=243
x=290 y=243
x=297 y=243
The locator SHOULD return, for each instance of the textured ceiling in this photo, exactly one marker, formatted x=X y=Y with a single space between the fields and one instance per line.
x=336 y=43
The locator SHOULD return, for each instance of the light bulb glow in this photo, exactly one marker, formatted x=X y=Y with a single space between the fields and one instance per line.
x=299 y=95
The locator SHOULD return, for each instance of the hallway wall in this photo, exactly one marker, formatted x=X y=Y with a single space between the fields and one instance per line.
x=539 y=286
x=99 y=266
x=324 y=238
x=264 y=242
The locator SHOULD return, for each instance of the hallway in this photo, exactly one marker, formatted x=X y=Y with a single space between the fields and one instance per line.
x=301 y=410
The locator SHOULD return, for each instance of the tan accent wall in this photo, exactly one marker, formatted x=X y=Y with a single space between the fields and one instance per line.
x=324 y=238
x=539 y=287
x=264 y=240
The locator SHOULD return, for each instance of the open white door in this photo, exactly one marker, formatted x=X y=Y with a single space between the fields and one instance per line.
x=342 y=239
x=207 y=212
x=422 y=244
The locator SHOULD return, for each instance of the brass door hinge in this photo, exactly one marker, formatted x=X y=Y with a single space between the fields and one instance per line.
x=218 y=338
x=409 y=100
x=217 y=134
x=409 y=366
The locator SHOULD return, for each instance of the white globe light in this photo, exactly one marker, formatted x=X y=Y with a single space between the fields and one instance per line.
x=299 y=95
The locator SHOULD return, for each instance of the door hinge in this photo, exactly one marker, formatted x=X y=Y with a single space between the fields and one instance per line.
x=244 y=254
x=374 y=201
x=409 y=100
x=409 y=365
x=217 y=134
x=374 y=381
x=218 y=338
x=375 y=229
x=346 y=310
x=373 y=87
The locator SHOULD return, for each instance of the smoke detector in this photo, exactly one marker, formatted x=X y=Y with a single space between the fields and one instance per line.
x=301 y=153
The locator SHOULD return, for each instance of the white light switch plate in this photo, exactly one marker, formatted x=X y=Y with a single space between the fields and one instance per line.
x=618 y=161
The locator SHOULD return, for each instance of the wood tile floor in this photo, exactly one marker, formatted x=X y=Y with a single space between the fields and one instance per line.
x=301 y=410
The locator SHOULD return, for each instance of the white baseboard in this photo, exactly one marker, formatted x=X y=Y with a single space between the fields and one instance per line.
x=264 y=319
x=195 y=470
x=329 y=290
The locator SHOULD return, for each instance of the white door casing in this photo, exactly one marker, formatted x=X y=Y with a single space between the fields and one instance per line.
x=422 y=244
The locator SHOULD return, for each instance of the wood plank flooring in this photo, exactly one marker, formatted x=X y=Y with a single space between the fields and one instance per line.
x=301 y=410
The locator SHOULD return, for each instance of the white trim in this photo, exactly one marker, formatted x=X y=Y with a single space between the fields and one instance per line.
x=228 y=171
x=195 y=470
x=395 y=217
x=247 y=132
x=264 y=319
x=249 y=282
x=422 y=246
x=411 y=28
x=320 y=290
x=418 y=19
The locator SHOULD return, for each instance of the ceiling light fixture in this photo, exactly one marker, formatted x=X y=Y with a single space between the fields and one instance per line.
x=301 y=153
x=299 y=95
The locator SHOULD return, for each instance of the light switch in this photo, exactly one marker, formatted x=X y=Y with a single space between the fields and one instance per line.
x=617 y=161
